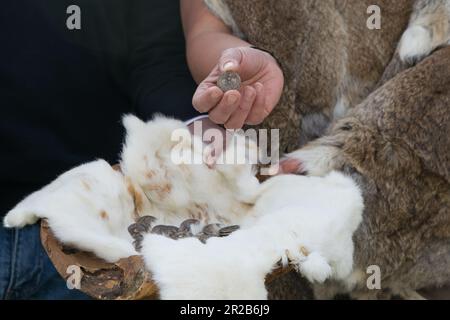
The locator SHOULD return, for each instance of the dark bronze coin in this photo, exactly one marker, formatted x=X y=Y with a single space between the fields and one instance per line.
x=136 y=229
x=167 y=231
x=225 y=232
x=185 y=226
x=203 y=237
x=212 y=229
x=229 y=80
x=137 y=245
x=138 y=236
x=146 y=221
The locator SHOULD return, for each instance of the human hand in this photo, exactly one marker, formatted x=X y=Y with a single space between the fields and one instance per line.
x=262 y=85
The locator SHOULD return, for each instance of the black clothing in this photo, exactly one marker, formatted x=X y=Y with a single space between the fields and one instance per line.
x=63 y=91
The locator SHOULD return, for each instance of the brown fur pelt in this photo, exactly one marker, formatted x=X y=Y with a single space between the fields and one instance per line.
x=327 y=54
x=384 y=122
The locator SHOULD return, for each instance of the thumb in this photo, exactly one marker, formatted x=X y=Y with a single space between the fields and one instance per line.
x=245 y=61
x=230 y=60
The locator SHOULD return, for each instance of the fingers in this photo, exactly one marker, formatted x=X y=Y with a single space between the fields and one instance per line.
x=235 y=110
x=206 y=98
x=237 y=119
x=251 y=106
x=259 y=110
x=229 y=103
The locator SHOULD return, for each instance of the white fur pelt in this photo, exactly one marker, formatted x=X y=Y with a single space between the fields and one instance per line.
x=307 y=222
x=88 y=207
x=180 y=191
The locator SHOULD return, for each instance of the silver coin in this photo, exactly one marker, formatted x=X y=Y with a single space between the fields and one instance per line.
x=229 y=80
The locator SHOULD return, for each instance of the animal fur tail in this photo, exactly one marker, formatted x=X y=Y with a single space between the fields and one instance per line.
x=428 y=30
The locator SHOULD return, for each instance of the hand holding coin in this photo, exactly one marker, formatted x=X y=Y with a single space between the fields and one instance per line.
x=243 y=88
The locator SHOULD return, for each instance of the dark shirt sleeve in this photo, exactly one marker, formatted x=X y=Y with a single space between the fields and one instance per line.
x=160 y=80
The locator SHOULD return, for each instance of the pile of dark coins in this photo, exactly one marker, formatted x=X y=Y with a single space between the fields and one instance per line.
x=145 y=225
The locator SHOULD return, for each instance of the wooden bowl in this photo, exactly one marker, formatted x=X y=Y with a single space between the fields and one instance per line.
x=126 y=279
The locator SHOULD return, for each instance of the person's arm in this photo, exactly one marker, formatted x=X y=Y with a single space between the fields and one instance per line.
x=211 y=50
x=204 y=30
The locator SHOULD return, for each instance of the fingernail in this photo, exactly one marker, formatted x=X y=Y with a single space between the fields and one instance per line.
x=228 y=65
x=232 y=99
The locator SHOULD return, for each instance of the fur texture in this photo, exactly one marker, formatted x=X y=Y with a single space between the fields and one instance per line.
x=289 y=221
x=396 y=144
x=180 y=191
x=429 y=29
x=88 y=207
x=330 y=59
x=91 y=207
x=352 y=102
x=393 y=141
